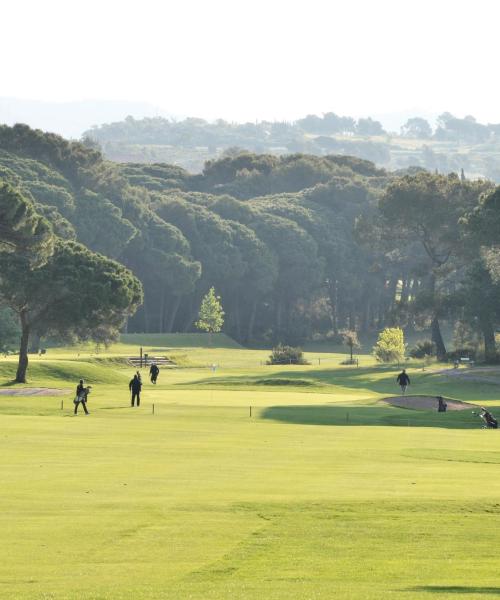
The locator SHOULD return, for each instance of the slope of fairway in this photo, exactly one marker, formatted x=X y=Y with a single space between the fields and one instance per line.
x=179 y=340
x=320 y=492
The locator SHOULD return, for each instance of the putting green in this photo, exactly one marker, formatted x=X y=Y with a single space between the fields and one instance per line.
x=322 y=493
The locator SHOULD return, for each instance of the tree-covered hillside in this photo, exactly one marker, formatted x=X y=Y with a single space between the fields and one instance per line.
x=298 y=246
x=453 y=144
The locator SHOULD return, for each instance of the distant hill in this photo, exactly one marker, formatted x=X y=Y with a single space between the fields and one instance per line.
x=446 y=144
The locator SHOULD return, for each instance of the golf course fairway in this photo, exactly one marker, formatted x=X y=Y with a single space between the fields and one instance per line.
x=247 y=482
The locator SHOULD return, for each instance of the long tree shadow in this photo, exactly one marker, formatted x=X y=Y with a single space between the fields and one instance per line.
x=369 y=416
x=455 y=589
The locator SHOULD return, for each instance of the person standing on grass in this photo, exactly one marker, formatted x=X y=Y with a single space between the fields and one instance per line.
x=403 y=380
x=154 y=371
x=81 y=397
x=135 y=386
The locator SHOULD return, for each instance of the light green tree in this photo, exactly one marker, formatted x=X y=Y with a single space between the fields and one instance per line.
x=211 y=315
x=390 y=346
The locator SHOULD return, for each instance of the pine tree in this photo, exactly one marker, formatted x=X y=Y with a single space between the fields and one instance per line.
x=211 y=315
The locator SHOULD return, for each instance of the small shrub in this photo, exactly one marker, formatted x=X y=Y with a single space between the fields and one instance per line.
x=422 y=349
x=350 y=361
x=390 y=346
x=286 y=355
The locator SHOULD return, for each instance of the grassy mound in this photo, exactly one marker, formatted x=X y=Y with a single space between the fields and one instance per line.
x=179 y=340
x=66 y=371
x=279 y=381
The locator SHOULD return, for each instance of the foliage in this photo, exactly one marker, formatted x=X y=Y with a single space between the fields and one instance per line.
x=22 y=230
x=421 y=220
x=10 y=331
x=286 y=355
x=423 y=348
x=417 y=128
x=75 y=293
x=297 y=245
x=211 y=314
x=466 y=339
x=390 y=346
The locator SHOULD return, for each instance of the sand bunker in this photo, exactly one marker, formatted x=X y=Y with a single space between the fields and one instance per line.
x=33 y=392
x=426 y=403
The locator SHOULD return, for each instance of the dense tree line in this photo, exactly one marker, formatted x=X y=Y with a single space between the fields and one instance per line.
x=451 y=144
x=192 y=132
x=297 y=246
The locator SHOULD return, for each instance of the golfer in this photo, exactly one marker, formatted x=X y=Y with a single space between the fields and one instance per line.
x=81 y=397
x=135 y=386
x=403 y=380
x=154 y=371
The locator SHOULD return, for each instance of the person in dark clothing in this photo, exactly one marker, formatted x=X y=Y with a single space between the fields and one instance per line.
x=442 y=406
x=403 y=380
x=135 y=386
x=154 y=371
x=81 y=397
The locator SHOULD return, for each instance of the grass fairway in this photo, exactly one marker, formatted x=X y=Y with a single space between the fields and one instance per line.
x=323 y=493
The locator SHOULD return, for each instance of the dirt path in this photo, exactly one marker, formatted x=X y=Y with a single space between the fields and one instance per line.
x=33 y=392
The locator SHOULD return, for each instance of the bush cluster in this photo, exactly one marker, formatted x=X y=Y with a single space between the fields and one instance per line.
x=286 y=355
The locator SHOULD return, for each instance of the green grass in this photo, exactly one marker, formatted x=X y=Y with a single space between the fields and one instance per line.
x=323 y=493
x=180 y=340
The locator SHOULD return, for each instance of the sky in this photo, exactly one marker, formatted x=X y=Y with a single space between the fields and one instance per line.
x=265 y=59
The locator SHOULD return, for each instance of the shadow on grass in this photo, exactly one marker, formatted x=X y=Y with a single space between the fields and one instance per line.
x=455 y=589
x=10 y=383
x=369 y=416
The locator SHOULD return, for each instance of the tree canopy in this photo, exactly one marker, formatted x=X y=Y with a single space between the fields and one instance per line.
x=299 y=246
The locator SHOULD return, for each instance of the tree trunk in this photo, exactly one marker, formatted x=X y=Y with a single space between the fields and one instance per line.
x=405 y=291
x=35 y=343
x=22 y=366
x=333 y=296
x=437 y=338
x=145 y=314
x=191 y=318
x=490 y=351
x=236 y=315
x=251 y=321
x=278 y=316
x=161 y=315
x=173 y=313
x=390 y=297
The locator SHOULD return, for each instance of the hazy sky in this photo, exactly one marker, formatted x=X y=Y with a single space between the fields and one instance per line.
x=260 y=59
